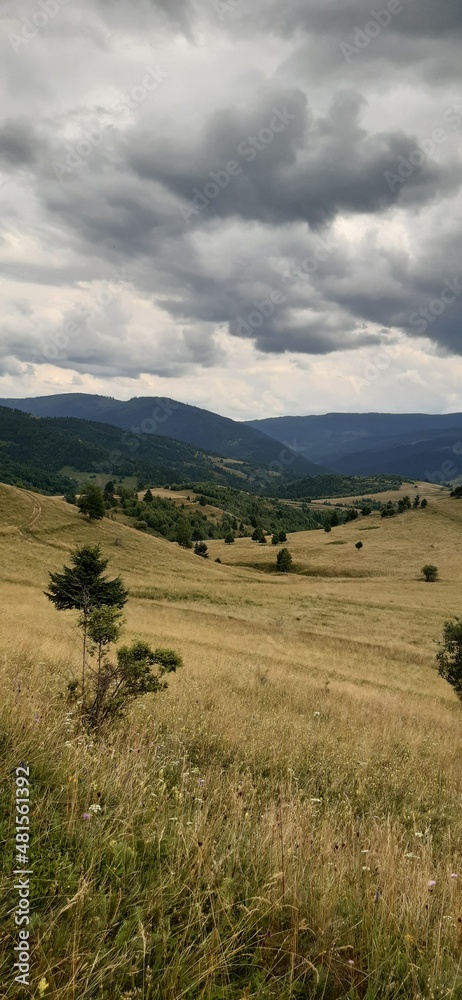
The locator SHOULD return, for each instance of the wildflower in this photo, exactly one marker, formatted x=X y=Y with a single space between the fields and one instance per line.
x=431 y=883
x=365 y=868
x=317 y=715
x=42 y=986
x=377 y=897
x=350 y=961
x=86 y=816
x=454 y=875
x=95 y=808
x=202 y=781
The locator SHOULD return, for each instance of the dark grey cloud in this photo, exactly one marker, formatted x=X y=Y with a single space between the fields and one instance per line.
x=18 y=144
x=218 y=191
x=312 y=169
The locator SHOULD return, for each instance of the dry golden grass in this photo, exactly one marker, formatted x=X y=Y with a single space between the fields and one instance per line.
x=299 y=783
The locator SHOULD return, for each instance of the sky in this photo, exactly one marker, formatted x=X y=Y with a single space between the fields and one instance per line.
x=253 y=206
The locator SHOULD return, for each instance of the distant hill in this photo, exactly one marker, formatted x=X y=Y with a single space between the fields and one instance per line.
x=165 y=417
x=35 y=451
x=417 y=445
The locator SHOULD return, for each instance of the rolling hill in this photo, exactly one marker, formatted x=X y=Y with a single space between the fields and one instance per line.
x=284 y=820
x=164 y=417
x=417 y=445
x=33 y=449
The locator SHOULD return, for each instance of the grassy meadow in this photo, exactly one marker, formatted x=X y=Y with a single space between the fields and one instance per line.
x=285 y=821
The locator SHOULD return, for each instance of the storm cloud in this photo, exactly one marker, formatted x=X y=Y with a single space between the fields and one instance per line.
x=180 y=178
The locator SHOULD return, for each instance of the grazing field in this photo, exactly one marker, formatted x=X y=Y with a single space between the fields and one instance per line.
x=286 y=820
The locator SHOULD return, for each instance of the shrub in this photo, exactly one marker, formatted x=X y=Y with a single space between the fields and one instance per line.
x=229 y=538
x=359 y=546
x=184 y=534
x=430 y=573
x=201 y=549
x=283 y=561
x=91 y=502
x=450 y=655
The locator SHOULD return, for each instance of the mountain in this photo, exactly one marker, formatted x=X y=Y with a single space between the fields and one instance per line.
x=417 y=445
x=35 y=450
x=165 y=417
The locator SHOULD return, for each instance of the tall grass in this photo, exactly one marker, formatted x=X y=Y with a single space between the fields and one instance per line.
x=284 y=822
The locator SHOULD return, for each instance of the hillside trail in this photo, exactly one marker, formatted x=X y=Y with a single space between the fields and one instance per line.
x=27 y=526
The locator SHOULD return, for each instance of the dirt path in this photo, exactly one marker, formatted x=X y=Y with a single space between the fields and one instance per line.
x=36 y=514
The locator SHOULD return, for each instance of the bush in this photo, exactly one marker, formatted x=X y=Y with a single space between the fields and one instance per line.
x=359 y=546
x=229 y=538
x=450 y=656
x=430 y=573
x=201 y=549
x=283 y=561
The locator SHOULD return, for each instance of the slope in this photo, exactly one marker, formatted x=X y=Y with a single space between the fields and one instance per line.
x=168 y=418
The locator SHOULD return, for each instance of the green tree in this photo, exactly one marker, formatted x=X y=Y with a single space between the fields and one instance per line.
x=424 y=503
x=229 y=538
x=184 y=533
x=201 y=549
x=430 y=573
x=148 y=497
x=359 y=546
x=83 y=587
x=450 y=655
x=283 y=561
x=91 y=502
x=116 y=686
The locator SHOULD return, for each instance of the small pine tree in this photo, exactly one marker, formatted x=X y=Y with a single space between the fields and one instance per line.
x=424 y=504
x=359 y=546
x=83 y=587
x=91 y=502
x=229 y=538
x=283 y=561
x=201 y=549
x=184 y=534
x=430 y=573
x=148 y=497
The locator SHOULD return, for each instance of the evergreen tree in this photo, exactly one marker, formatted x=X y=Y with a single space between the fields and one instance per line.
x=91 y=502
x=83 y=587
x=283 y=561
x=184 y=533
